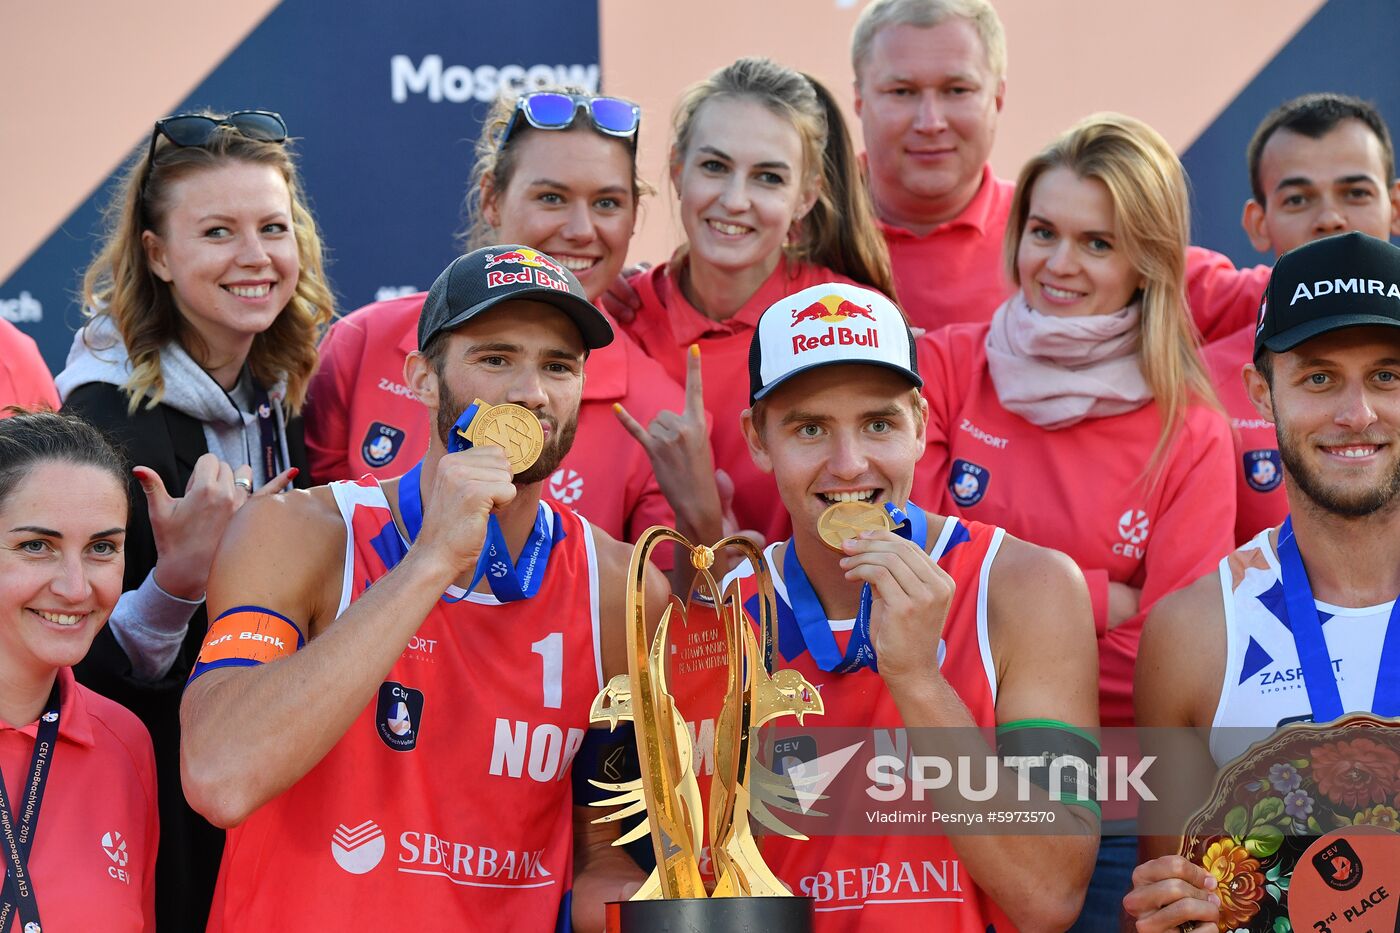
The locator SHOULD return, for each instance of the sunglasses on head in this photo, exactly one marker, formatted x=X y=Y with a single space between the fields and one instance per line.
x=551 y=110
x=197 y=129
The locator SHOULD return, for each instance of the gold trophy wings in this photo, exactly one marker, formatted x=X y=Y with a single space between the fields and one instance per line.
x=668 y=789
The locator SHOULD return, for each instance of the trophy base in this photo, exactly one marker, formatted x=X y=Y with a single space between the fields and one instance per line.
x=710 y=914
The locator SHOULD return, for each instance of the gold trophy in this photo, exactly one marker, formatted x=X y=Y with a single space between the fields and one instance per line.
x=746 y=894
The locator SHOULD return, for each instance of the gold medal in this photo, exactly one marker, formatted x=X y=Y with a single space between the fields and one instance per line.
x=512 y=428
x=848 y=519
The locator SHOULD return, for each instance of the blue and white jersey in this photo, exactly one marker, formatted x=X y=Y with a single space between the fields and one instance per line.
x=1263 y=685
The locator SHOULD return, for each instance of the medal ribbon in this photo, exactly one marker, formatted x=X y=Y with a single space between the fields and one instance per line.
x=1313 y=658
x=508 y=579
x=17 y=894
x=910 y=524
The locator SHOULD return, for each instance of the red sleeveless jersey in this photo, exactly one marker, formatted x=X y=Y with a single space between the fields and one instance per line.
x=448 y=803
x=898 y=882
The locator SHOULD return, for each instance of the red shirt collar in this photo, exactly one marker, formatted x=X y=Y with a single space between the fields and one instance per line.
x=409 y=341
x=605 y=371
x=74 y=721
x=976 y=215
x=688 y=325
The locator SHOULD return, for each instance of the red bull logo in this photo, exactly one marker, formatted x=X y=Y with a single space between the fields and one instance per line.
x=836 y=337
x=831 y=309
x=533 y=268
x=495 y=259
x=524 y=256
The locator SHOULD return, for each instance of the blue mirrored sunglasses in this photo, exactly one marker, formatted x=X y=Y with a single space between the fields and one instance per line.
x=551 y=110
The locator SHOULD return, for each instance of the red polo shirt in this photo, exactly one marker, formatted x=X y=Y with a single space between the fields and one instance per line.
x=1080 y=489
x=1228 y=299
x=24 y=379
x=1259 y=498
x=1222 y=298
x=666 y=326
x=953 y=273
x=361 y=418
x=93 y=863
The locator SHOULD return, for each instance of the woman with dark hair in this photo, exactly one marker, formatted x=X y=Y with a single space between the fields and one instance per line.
x=79 y=760
x=206 y=302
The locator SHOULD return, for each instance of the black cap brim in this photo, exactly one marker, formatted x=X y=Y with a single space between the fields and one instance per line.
x=594 y=327
x=1287 y=340
x=914 y=378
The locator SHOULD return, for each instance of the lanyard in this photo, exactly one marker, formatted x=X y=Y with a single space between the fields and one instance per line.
x=17 y=894
x=508 y=579
x=1313 y=658
x=271 y=451
x=267 y=430
x=807 y=611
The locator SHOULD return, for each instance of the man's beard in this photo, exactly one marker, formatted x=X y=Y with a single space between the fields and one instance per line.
x=1357 y=504
x=556 y=445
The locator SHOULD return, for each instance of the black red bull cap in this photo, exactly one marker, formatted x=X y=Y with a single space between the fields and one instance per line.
x=485 y=277
x=828 y=324
x=1349 y=280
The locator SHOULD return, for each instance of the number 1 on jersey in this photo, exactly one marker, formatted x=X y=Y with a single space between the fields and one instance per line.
x=551 y=651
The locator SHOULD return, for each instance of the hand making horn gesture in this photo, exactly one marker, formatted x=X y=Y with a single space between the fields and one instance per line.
x=678 y=446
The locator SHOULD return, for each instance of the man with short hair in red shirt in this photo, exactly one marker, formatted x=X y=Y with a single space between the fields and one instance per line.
x=1319 y=165
x=930 y=81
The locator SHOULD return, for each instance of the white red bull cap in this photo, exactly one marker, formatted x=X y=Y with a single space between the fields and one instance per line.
x=828 y=324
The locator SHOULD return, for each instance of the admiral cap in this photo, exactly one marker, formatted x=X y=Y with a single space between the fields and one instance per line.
x=1349 y=280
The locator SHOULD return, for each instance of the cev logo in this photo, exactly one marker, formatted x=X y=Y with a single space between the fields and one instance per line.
x=566 y=486
x=1133 y=528
x=115 y=846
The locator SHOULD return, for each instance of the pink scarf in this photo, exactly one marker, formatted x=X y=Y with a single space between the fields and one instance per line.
x=1057 y=371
